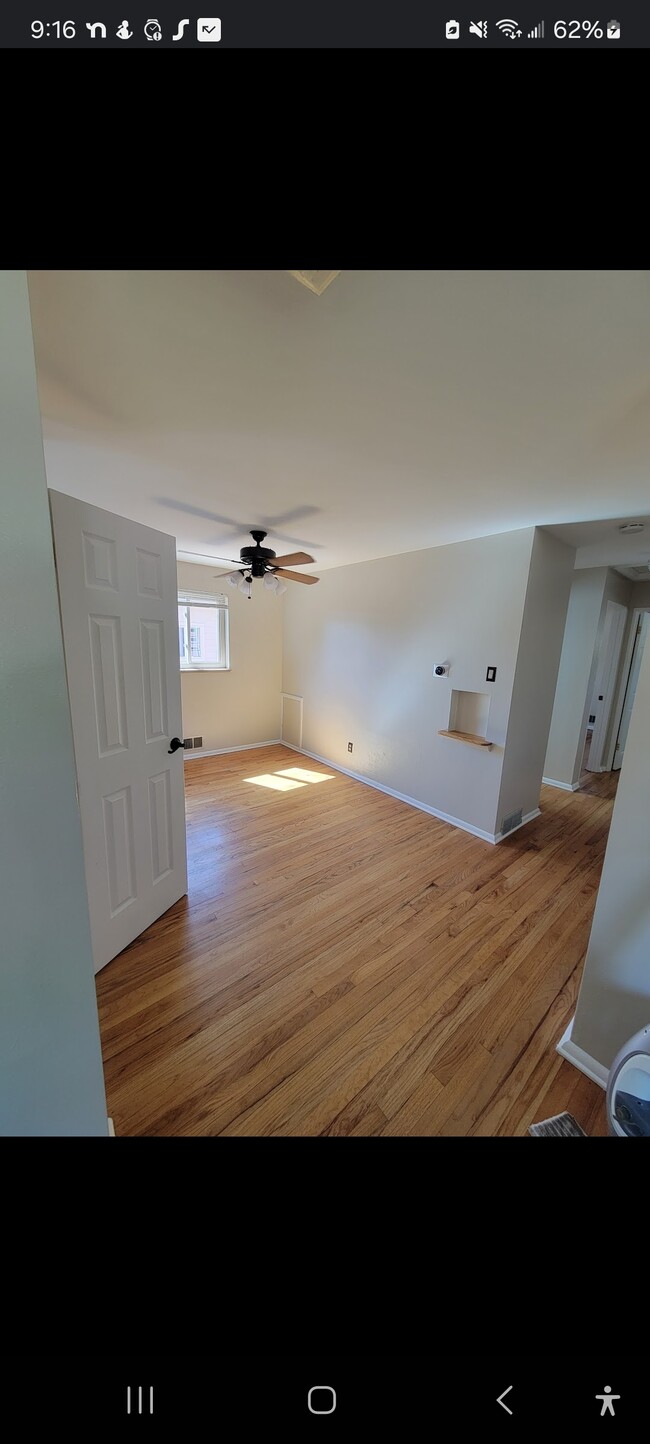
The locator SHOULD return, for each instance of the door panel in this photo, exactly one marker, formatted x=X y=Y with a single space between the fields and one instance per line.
x=630 y=691
x=615 y=619
x=118 y=597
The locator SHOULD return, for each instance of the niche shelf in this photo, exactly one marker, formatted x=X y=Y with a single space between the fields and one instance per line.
x=468 y=718
x=465 y=737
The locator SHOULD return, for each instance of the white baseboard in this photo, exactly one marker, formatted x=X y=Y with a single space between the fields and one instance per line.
x=111 y=1128
x=584 y=1061
x=527 y=817
x=566 y=786
x=410 y=801
x=190 y=753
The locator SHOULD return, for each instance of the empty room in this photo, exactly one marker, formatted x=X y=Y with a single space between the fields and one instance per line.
x=325 y=811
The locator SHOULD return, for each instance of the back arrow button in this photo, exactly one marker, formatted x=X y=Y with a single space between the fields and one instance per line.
x=502 y=1397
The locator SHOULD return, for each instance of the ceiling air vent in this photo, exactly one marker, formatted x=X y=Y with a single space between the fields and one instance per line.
x=630 y=528
x=316 y=281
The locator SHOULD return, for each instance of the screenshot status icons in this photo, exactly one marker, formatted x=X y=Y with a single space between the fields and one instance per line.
x=207 y=29
x=509 y=29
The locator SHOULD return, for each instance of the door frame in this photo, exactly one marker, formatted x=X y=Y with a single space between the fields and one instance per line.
x=617 y=714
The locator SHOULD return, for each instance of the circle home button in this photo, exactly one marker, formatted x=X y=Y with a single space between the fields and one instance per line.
x=321 y=1399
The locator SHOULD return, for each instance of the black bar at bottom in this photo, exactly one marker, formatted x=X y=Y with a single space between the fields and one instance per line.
x=331 y=1394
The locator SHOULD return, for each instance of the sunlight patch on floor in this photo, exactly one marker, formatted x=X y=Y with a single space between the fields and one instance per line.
x=279 y=784
x=303 y=775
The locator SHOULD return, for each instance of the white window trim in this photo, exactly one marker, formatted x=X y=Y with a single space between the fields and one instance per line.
x=214 y=602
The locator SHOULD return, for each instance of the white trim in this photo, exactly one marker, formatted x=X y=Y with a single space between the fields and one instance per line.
x=291 y=697
x=111 y=1128
x=410 y=801
x=528 y=817
x=584 y=1061
x=191 y=752
x=566 y=786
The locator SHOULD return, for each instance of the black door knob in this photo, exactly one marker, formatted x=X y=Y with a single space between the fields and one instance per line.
x=174 y=744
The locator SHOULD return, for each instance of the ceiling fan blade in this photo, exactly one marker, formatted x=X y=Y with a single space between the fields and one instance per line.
x=218 y=576
x=295 y=576
x=294 y=559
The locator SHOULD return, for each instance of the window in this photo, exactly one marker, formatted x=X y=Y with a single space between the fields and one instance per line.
x=203 y=632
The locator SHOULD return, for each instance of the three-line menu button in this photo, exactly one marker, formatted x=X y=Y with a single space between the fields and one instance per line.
x=139 y=1400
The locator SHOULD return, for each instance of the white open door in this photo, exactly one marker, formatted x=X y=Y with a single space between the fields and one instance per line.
x=630 y=691
x=118 y=597
x=610 y=654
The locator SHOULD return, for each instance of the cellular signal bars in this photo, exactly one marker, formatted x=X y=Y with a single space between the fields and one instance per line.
x=537 y=33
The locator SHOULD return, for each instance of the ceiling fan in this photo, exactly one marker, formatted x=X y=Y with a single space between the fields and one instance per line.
x=260 y=562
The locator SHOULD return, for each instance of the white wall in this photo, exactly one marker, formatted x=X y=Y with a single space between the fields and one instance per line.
x=51 y=1079
x=360 y=649
x=538 y=658
x=230 y=709
x=614 y=999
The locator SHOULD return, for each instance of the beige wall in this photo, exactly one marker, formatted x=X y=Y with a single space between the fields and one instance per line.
x=640 y=594
x=614 y=1000
x=360 y=649
x=51 y=1078
x=236 y=708
x=538 y=658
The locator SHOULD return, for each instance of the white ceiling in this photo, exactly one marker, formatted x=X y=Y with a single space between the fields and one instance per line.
x=398 y=410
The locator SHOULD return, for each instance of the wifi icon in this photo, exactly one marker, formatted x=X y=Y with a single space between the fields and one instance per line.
x=509 y=28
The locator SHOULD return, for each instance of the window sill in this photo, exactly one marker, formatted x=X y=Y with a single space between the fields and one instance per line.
x=188 y=671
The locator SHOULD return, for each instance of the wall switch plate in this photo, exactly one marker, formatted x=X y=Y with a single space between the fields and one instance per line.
x=349 y=746
x=187 y=742
x=198 y=741
x=491 y=674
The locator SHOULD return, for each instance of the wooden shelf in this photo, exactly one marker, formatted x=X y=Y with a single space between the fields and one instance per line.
x=470 y=737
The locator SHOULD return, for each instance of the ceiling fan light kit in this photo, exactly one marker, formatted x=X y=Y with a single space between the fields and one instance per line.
x=258 y=562
x=316 y=281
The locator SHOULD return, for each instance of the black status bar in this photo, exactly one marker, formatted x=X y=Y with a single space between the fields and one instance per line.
x=426 y=1391
x=291 y=24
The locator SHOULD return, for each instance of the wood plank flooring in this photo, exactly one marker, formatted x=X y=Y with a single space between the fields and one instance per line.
x=345 y=965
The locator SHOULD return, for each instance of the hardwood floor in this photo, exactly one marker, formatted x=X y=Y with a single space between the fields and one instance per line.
x=346 y=965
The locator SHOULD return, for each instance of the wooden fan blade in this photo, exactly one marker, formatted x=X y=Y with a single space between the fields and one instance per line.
x=293 y=559
x=296 y=577
x=218 y=576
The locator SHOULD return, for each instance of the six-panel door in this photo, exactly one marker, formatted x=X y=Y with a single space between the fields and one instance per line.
x=118 y=598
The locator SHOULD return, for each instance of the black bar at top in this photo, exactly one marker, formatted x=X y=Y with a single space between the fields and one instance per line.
x=341 y=24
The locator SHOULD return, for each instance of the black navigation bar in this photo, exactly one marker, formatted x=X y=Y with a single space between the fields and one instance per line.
x=424 y=1392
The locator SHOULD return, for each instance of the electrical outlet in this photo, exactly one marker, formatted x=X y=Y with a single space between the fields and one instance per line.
x=187 y=742
x=198 y=741
x=349 y=746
